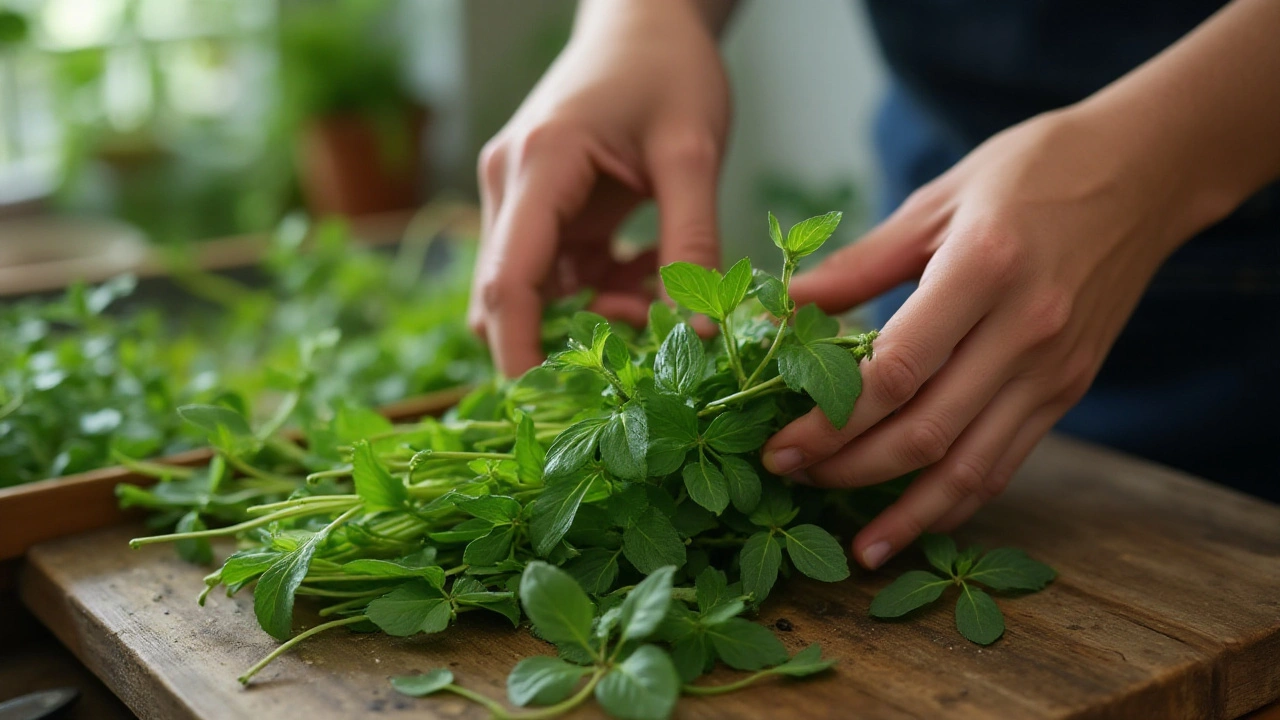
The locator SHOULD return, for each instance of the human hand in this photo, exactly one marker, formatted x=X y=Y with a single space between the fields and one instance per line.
x=1031 y=255
x=636 y=106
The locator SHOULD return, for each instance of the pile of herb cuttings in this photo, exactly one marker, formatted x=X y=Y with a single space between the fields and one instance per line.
x=612 y=497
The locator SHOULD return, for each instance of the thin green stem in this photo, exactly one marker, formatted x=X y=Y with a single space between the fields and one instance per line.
x=288 y=644
x=731 y=350
x=787 y=269
x=347 y=605
x=303 y=501
x=259 y=473
x=727 y=687
x=501 y=713
x=716 y=406
x=322 y=592
x=237 y=528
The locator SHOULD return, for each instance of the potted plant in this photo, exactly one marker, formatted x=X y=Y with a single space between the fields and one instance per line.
x=356 y=131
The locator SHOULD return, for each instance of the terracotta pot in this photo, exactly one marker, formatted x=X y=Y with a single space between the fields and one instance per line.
x=345 y=168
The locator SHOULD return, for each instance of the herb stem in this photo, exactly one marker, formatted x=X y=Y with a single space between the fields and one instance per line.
x=691 y=689
x=731 y=350
x=233 y=529
x=716 y=406
x=288 y=644
x=787 y=269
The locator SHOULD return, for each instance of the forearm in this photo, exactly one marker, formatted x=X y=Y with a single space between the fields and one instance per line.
x=1206 y=111
x=596 y=14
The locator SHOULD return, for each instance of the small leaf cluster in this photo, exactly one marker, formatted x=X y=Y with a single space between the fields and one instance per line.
x=636 y=654
x=978 y=618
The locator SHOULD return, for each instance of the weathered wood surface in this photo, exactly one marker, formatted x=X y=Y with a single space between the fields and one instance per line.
x=60 y=507
x=1167 y=606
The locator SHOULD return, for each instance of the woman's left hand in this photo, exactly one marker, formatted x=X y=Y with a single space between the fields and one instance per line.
x=1031 y=255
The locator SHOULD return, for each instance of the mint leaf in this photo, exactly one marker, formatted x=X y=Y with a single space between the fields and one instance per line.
x=977 y=617
x=813 y=324
x=815 y=553
x=760 y=560
x=737 y=432
x=940 y=551
x=652 y=542
x=553 y=511
x=734 y=285
x=274 y=594
x=497 y=509
x=574 y=447
x=773 y=296
x=646 y=605
x=775 y=232
x=828 y=373
x=807 y=236
x=806 y=662
x=542 y=680
x=966 y=558
x=744 y=645
x=775 y=508
x=530 y=456
x=390 y=568
x=706 y=485
x=595 y=569
x=744 y=483
x=624 y=442
x=490 y=549
x=375 y=486
x=645 y=686
x=1010 y=569
x=914 y=589
x=710 y=587
x=694 y=287
x=211 y=417
x=422 y=685
x=558 y=608
x=662 y=320
x=680 y=362
x=692 y=655
x=673 y=430
x=409 y=609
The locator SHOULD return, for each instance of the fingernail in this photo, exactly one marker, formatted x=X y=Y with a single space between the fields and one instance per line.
x=875 y=555
x=781 y=462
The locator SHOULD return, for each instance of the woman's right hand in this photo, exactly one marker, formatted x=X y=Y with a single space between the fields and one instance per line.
x=636 y=106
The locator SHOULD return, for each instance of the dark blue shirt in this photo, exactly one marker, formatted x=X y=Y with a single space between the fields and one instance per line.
x=1193 y=381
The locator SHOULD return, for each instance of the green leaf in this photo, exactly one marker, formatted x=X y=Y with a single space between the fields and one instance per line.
x=375 y=486
x=497 y=509
x=773 y=296
x=490 y=549
x=433 y=574
x=706 y=485
x=680 y=362
x=692 y=519
x=558 y=608
x=966 y=558
x=775 y=508
x=197 y=550
x=662 y=320
x=673 y=430
x=939 y=550
x=273 y=596
x=542 y=680
x=465 y=531
x=409 y=609
x=645 y=686
x=813 y=324
x=530 y=456
x=553 y=511
x=595 y=570
x=737 y=432
x=211 y=417
x=471 y=592
x=744 y=483
x=761 y=558
x=692 y=656
x=734 y=285
x=828 y=373
x=574 y=447
x=815 y=553
x=806 y=662
x=694 y=287
x=625 y=441
x=977 y=617
x=807 y=236
x=422 y=685
x=646 y=605
x=653 y=542
x=914 y=589
x=744 y=645
x=1011 y=569
x=775 y=232
x=710 y=587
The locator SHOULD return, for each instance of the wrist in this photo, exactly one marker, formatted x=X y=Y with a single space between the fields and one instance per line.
x=606 y=16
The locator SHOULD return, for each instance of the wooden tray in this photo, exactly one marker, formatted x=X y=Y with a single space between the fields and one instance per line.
x=1167 y=607
x=58 y=507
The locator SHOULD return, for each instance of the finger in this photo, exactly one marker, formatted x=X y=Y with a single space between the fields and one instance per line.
x=491 y=175
x=923 y=432
x=519 y=255
x=894 y=252
x=968 y=472
x=951 y=300
x=630 y=308
x=685 y=170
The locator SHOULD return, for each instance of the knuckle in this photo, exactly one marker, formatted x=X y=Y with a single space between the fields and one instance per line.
x=1047 y=316
x=926 y=442
x=897 y=376
x=495 y=293
x=548 y=138
x=690 y=151
x=969 y=476
x=491 y=165
x=1000 y=253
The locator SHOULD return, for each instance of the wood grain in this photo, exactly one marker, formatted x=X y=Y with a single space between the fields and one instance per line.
x=1167 y=606
x=60 y=507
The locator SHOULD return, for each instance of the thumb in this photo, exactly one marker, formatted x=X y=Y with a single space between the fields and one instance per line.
x=894 y=252
x=684 y=176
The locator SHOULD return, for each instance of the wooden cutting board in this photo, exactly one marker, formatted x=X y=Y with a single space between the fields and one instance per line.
x=1167 y=606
